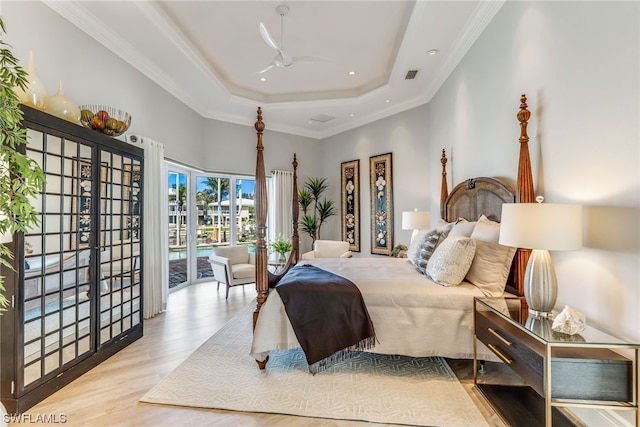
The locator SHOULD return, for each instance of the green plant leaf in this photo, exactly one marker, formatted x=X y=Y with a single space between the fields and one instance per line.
x=304 y=199
x=21 y=178
x=309 y=226
x=316 y=186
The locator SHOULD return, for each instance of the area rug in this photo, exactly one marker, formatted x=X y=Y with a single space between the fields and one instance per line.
x=383 y=389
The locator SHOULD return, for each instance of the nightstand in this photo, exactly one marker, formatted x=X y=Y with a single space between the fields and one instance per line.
x=565 y=375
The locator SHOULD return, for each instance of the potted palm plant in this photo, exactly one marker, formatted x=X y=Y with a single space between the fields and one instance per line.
x=21 y=179
x=315 y=211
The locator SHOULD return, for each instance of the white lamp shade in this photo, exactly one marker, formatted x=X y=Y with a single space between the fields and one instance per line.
x=415 y=220
x=550 y=226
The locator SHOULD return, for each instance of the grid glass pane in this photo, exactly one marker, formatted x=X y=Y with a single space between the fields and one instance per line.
x=120 y=261
x=57 y=259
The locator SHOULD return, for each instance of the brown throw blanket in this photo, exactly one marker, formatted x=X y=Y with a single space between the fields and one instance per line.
x=327 y=313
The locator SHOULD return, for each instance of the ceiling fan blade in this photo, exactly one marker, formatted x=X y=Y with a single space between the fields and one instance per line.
x=267 y=38
x=265 y=69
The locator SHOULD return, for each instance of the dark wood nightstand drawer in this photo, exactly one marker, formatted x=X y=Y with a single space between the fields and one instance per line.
x=577 y=373
x=591 y=374
x=513 y=346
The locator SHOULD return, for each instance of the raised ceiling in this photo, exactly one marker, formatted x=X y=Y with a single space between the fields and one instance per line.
x=208 y=54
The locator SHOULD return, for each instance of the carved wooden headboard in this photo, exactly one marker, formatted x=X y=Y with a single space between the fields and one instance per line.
x=474 y=197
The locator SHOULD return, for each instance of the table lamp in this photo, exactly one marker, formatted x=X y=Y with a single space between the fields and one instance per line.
x=542 y=227
x=415 y=220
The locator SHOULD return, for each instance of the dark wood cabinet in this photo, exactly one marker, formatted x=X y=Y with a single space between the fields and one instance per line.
x=559 y=369
x=76 y=292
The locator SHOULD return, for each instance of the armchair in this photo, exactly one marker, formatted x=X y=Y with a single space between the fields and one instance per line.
x=233 y=265
x=328 y=249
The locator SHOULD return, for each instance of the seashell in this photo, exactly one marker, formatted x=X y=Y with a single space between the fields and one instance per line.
x=569 y=321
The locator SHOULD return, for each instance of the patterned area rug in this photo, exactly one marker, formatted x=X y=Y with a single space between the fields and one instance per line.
x=369 y=387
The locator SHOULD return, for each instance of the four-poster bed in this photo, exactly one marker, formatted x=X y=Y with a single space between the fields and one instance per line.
x=412 y=314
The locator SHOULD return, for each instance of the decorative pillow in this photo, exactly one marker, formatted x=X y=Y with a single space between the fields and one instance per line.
x=462 y=227
x=492 y=261
x=414 y=246
x=426 y=250
x=490 y=268
x=444 y=228
x=451 y=260
x=486 y=230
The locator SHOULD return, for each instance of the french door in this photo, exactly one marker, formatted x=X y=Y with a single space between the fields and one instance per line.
x=205 y=210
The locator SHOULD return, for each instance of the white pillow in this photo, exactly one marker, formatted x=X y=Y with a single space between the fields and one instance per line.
x=444 y=228
x=486 y=230
x=490 y=267
x=462 y=228
x=414 y=245
x=451 y=260
x=492 y=261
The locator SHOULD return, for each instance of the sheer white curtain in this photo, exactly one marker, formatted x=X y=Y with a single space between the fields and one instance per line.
x=155 y=259
x=280 y=197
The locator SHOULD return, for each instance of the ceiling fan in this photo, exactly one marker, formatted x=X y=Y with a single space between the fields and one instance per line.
x=281 y=59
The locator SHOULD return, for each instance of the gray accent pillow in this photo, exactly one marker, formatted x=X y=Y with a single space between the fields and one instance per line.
x=426 y=250
x=414 y=245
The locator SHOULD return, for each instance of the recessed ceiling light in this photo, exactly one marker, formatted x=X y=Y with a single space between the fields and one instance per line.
x=387 y=101
x=432 y=52
x=351 y=73
x=352 y=115
x=263 y=79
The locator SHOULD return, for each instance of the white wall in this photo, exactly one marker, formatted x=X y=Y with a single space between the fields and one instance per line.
x=230 y=147
x=578 y=63
x=403 y=135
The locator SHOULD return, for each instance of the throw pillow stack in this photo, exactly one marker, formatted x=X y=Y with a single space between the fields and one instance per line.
x=463 y=250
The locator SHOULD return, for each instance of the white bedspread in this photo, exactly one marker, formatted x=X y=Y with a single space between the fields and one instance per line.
x=412 y=315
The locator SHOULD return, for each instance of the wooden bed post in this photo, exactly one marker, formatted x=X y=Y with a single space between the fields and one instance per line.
x=444 y=191
x=262 y=279
x=295 y=213
x=524 y=194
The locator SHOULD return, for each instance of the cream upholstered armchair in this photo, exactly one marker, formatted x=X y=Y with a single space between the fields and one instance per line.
x=328 y=249
x=233 y=265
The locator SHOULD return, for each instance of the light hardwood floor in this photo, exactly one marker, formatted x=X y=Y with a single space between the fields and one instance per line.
x=108 y=394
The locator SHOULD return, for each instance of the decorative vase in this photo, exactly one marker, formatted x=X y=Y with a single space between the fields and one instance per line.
x=61 y=106
x=282 y=257
x=35 y=94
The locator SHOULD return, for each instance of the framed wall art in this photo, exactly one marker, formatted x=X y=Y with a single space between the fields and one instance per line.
x=381 y=184
x=350 y=213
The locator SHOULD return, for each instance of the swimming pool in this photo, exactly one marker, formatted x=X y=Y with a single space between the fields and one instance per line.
x=182 y=253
